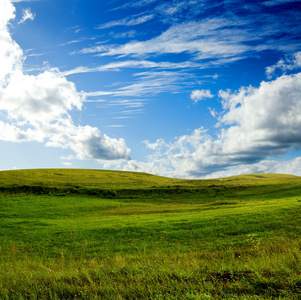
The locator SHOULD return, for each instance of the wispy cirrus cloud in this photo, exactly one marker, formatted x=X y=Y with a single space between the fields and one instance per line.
x=135 y=3
x=202 y=39
x=209 y=39
x=220 y=40
x=148 y=83
x=173 y=11
x=138 y=64
x=129 y=21
x=127 y=103
x=91 y=50
x=80 y=40
x=127 y=34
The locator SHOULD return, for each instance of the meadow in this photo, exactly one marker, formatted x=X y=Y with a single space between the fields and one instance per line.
x=91 y=234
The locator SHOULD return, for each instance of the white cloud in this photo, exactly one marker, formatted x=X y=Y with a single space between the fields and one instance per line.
x=37 y=108
x=203 y=39
x=7 y=12
x=78 y=40
x=263 y=121
x=213 y=112
x=13 y=133
x=130 y=21
x=116 y=66
x=155 y=146
x=148 y=83
x=10 y=53
x=27 y=15
x=90 y=50
x=290 y=63
x=218 y=40
x=86 y=142
x=200 y=38
x=273 y=108
x=198 y=95
x=292 y=166
x=139 y=64
x=135 y=4
x=41 y=104
x=170 y=9
x=41 y=98
x=259 y=123
x=127 y=34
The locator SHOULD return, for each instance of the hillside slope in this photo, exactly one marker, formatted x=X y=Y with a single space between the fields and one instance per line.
x=120 y=179
x=120 y=184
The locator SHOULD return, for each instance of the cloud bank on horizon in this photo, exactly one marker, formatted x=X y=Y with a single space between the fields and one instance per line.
x=192 y=89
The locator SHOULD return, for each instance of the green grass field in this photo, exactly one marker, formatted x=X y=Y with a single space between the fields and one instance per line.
x=88 y=234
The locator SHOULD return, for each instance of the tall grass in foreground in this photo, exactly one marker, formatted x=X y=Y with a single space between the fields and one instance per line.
x=260 y=272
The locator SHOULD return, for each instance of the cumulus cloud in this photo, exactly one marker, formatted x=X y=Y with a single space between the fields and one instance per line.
x=257 y=124
x=268 y=115
x=37 y=108
x=27 y=15
x=10 y=52
x=198 y=95
x=41 y=98
x=86 y=142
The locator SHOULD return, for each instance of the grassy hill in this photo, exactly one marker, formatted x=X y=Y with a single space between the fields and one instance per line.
x=90 y=234
x=123 y=184
x=121 y=179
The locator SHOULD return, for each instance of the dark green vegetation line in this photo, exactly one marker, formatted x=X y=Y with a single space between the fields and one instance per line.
x=88 y=234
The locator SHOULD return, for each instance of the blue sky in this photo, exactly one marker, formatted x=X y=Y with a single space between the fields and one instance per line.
x=189 y=89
